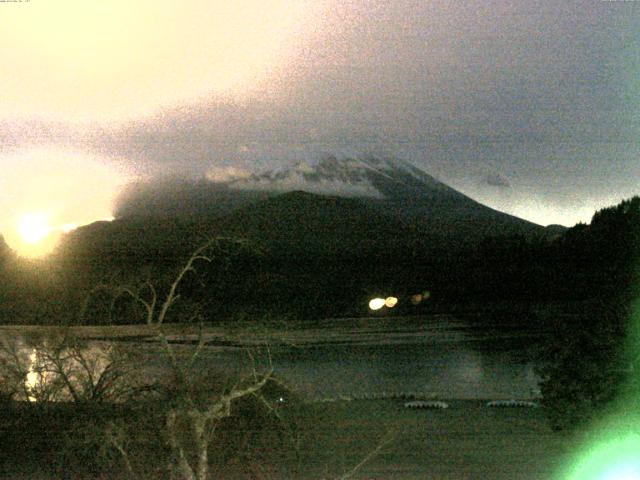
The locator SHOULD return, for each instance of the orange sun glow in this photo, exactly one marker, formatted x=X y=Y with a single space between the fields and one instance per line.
x=45 y=193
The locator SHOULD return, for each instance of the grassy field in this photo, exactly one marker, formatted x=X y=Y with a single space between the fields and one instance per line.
x=466 y=441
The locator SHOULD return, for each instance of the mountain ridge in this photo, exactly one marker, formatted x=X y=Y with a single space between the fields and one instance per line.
x=368 y=176
x=412 y=193
x=406 y=210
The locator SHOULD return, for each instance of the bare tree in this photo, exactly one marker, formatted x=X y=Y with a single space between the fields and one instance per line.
x=193 y=411
x=59 y=366
x=192 y=416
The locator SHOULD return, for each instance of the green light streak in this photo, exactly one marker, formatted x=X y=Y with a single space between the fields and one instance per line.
x=613 y=451
x=613 y=459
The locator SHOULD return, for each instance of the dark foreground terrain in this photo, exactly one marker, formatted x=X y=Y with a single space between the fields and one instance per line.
x=466 y=441
x=301 y=439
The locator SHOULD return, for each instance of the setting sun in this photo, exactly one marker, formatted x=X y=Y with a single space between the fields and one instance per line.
x=46 y=193
x=34 y=227
x=33 y=235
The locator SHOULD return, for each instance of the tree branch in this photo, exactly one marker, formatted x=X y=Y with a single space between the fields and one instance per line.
x=171 y=296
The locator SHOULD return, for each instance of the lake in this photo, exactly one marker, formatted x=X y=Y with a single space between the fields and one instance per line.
x=436 y=355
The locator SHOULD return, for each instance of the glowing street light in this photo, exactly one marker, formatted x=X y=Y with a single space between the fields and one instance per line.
x=391 y=302
x=377 y=303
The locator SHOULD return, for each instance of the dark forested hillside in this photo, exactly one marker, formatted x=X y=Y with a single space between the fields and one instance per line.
x=312 y=256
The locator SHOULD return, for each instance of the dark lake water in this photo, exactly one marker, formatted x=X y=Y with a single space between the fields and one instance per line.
x=442 y=357
x=439 y=356
x=460 y=370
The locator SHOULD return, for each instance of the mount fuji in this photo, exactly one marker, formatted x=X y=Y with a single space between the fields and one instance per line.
x=367 y=177
x=336 y=202
x=391 y=189
x=336 y=229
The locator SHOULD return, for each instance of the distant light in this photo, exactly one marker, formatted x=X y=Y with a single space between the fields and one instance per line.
x=377 y=303
x=416 y=299
x=391 y=302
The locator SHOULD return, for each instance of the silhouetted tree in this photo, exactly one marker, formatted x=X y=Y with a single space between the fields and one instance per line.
x=587 y=362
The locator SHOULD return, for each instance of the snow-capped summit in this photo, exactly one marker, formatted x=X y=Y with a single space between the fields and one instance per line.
x=348 y=177
x=328 y=177
x=372 y=190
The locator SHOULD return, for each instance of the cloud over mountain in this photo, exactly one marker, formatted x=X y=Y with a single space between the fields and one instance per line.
x=497 y=180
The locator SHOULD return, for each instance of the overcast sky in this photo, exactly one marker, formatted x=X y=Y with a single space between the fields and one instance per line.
x=530 y=107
